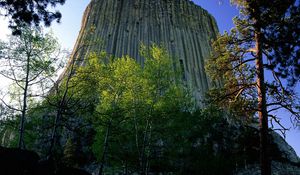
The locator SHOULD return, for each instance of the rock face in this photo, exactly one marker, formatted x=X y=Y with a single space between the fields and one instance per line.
x=284 y=159
x=183 y=28
x=287 y=151
x=278 y=168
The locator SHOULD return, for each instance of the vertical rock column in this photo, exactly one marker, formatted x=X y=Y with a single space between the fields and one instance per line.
x=184 y=28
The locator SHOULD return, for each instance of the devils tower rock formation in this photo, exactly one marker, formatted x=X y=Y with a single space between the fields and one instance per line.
x=184 y=28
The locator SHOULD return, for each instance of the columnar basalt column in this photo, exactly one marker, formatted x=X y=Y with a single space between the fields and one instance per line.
x=182 y=27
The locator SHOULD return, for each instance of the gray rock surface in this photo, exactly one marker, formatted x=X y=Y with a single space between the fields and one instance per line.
x=287 y=151
x=183 y=28
x=278 y=168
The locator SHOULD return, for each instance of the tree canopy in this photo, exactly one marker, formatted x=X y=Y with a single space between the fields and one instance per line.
x=265 y=41
x=278 y=22
x=131 y=98
x=28 y=61
x=29 y=12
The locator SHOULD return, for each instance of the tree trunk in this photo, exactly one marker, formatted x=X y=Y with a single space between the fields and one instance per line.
x=62 y=103
x=262 y=107
x=147 y=163
x=137 y=141
x=53 y=135
x=24 y=109
x=60 y=108
x=105 y=148
x=143 y=149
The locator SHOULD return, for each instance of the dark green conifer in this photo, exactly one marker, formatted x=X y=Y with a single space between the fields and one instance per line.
x=265 y=40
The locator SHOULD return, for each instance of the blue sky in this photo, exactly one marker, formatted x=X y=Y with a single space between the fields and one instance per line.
x=69 y=27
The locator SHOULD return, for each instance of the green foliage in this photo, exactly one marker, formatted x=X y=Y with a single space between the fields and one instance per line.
x=278 y=22
x=262 y=42
x=39 y=123
x=134 y=99
x=69 y=158
x=22 y=13
x=164 y=83
x=28 y=61
x=8 y=132
x=31 y=58
x=151 y=123
x=234 y=56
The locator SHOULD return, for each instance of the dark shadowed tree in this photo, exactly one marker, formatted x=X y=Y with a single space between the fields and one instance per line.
x=29 y=12
x=65 y=97
x=265 y=40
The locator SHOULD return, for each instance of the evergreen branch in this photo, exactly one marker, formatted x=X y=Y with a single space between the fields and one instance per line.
x=277 y=121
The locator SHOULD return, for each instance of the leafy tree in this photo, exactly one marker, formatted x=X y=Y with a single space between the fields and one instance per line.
x=165 y=94
x=163 y=78
x=265 y=40
x=131 y=98
x=29 y=12
x=29 y=61
x=116 y=82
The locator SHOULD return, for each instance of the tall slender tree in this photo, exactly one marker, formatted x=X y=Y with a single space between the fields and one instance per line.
x=65 y=96
x=29 y=61
x=265 y=40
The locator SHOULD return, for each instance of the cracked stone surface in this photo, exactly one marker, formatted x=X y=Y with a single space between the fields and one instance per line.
x=183 y=28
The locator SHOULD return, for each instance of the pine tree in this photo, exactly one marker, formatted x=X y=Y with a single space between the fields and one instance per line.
x=265 y=40
x=29 y=12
